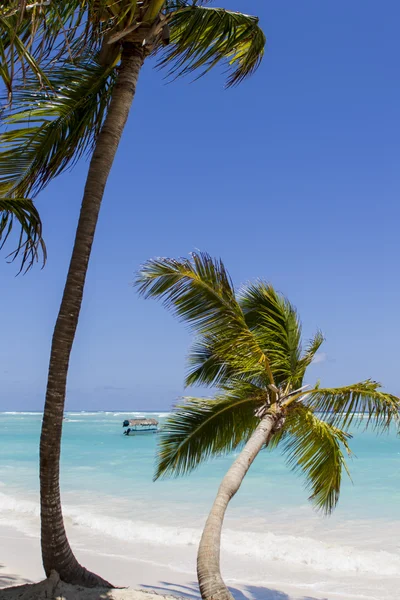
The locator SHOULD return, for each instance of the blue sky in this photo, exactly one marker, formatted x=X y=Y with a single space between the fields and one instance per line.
x=292 y=177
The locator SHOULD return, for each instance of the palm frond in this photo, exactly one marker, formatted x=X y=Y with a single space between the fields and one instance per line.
x=36 y=34
x=309 y=354
x=360 y=404
x=205 y=367
x=16 y=52
x=214 y=361
x=275 y=323
x=50 y=130
x=30 y=242
x=202 y=37
x=202 y=428
x=200 y=292
x=317 y=449
x=153 y=10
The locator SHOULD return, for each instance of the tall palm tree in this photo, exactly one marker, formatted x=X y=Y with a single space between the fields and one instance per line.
x=30 y=242
x=81 y=104
x=248 y=345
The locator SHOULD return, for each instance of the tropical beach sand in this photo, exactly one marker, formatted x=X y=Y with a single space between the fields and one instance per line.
x=20 y=564
x=53 y=588
x=24 y=567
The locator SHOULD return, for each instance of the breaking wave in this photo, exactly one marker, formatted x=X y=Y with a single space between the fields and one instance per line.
x=303 y=552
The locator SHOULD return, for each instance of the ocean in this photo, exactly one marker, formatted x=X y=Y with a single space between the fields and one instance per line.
x=272 y=536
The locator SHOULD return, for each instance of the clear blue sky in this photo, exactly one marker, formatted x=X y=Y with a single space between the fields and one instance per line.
x=293 y=177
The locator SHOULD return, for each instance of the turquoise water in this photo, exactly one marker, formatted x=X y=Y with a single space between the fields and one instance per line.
x=96 y=456
x=107 y=489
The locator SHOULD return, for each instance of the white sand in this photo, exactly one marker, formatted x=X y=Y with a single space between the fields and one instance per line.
x=54 y=589
x=20 y=563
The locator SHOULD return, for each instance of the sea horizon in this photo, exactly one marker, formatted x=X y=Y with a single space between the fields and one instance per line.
x=72 y=410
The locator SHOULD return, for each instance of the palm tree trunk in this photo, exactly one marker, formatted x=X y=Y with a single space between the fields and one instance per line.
x=212 y=586
x=56 y=551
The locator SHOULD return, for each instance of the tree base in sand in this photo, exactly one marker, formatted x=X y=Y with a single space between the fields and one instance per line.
x=55 y=589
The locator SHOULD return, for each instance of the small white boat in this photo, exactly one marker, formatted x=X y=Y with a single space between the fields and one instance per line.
x=134 y=426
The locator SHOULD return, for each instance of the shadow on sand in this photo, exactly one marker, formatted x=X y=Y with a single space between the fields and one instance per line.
x=9 y=580
x=49 y=587
x=248 y=592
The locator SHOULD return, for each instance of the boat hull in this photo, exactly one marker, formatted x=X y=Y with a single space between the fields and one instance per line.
x=141 y=432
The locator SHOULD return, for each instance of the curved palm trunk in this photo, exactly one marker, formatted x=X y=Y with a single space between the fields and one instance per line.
x=56 y=551
x=212 y=586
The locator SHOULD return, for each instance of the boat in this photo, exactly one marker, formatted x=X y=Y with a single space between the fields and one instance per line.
x=134 y=426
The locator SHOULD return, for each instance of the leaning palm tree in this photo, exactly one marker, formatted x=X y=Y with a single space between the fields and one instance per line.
x=248 y=346
x=83 y=61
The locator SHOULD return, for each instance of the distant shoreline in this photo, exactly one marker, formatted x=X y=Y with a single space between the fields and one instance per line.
x=72 y=410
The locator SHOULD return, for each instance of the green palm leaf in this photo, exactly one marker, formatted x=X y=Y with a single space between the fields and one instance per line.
x=30 y=241
x=201 y=37
x=205 y=367
x=309 y=353
x=197 y=291
x=32 y=33
x=200 y=292
x=275 y=323
x=202 y=428
x=16 y=52
x=316 y=449
x=360 y=404
x=50 y=130
x=214 y=360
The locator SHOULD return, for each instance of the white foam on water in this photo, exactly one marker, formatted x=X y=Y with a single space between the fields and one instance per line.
x=309 y=552
x=122 y=414
x=9 y=503
x=299 y=551
x=31 y=414
x=83 y=413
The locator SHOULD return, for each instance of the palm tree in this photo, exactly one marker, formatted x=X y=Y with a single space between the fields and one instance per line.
x=87 y=78
x=248 y=346
x=30 y=241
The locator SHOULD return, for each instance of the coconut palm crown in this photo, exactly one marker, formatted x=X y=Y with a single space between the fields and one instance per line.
x=34 y=34
x=248 y=346
x=59 y=66
x=54 y=122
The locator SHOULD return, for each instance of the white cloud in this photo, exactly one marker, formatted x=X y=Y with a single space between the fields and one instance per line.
x=320 y=357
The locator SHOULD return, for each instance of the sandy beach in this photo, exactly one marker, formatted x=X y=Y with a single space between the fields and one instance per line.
x=20 y=564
